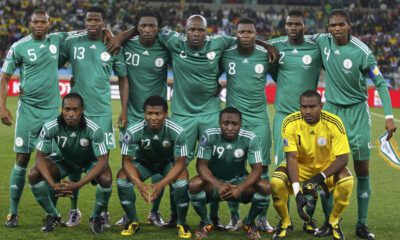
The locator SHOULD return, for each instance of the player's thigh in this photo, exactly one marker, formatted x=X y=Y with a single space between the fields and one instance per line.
x=143 y=171
x=263 y=133
x=190 y=125
x=206 y=122
x=277 y=136
x=29 y=122
x=105 y=122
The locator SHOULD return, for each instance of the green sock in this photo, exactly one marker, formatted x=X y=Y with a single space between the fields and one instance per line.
x=263 y=211
x=172 y=203
x=17 y=183
x=181 y=199
x=127 y=197
x=327 y=204
x=363 y=196
x=41 y=192
x=199 y=204
x=234 y=209
x=75 y=194
x=156 y=203
x=214 y=207
x=102 y=198
x=258 y=203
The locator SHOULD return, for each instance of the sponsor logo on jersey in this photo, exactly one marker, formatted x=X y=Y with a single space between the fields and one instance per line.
x=307 y=59
x=211 y=55
x=166 y=144
x=238 y=153
x=19 y=142
x=347 y=63
x=159 y=62
x=321 y=141
x=259 y=68
x=84 y=142
x=53 y=48
x=105 y=56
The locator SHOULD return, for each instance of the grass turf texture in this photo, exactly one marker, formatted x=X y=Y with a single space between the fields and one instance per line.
x=383 y=214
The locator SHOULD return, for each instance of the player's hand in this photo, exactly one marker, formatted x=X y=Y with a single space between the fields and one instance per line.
x=234 y=192
x=113 y=44
x=310 y=186
x=301 y=202
x=145 y=190
x=122 y=120
x=156 y=190
x=72 y=81
x=6 y=117
x=273 y=54
x=107 y=35
x=61 y=191
x=390 y=127
x=70 y=185
x=223 y=188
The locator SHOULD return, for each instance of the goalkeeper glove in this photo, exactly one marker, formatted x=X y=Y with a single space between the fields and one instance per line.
x=310 y=186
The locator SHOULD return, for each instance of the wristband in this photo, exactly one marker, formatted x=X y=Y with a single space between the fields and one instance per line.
x=389 y=117
x=296 y=188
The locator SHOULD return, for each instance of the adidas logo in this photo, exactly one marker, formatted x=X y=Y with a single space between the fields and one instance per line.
x=364 y=195
x=73 y=134
x=126 y=202
x=295 y=51
x=229 y=146
x=155 y=137
x=336 y=52
x=146 y=53
x=14 y=186
x=42 y=46
x=245 y=61
x=196 y=54
x=93 y=47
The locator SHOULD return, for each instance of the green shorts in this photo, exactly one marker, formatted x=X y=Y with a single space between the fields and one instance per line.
x=194 y=127
x=105 y=123
x=277 y=133
x=263 y=133
x=145 y=172
x=357 y=121
x=29 y=122
x=67 y=169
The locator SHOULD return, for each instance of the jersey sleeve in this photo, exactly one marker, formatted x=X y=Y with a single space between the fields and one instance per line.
x=229 y=41
x=98 y=143
x=205 y=147
x=119 y=64
x=11 y=62
x=44 y=143
x=168 y=37
x=180 y=147
x=372 y=69
x=254 y=152
x=340 y=144
x=289 y=138
x=129 y=144
x=64 y=52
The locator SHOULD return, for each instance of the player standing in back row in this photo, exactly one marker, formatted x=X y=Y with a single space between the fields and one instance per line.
x=348 y=62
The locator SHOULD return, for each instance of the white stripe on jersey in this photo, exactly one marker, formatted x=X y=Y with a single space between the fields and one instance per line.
x=247 y=134
x=137 y=127
x=91 y=124
x=200 y=152
x=39 y=145
x=76 y=35
x=257 y=156
x=232 y=48
x=5 y=66
x=51 y=124
x=102 y=148
x=262 y=49
x=22 y=40
x=124 y=149
x=213 y=131
x=360 y=45
x=173 y=126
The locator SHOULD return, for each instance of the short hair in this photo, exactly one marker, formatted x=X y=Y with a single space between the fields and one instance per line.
x=149 y=13
x=39 y=11
x=97 y=9
x=311 y=93
x=340 y=12
x=156 y=101
x=230 y=110
x=73 y=95
x=246 y=21
x=203 y=19
x=296 y=13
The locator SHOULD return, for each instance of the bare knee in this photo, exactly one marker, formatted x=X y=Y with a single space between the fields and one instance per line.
x=34 y=176
x=22 y=159
x=263 y=187
x=361 y=168
x=122 y=174
x=105 y=178
x=196 y=185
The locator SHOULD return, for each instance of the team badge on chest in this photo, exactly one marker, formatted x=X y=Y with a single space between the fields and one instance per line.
x=84 y=142
x=105 y=56
x=347 y=63
x=238 y=153
x=166 y=144
x=306 y=59
x=53 y=48
x=211 y=55
x=259 y=68
x=321 y=141
x=159 y=62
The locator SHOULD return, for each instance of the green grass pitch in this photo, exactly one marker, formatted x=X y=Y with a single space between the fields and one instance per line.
x=383 y=215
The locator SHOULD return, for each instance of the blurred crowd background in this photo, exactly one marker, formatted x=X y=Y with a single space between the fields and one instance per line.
x=376 y=23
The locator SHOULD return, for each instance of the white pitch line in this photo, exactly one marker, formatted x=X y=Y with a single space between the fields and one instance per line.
x=383 y=116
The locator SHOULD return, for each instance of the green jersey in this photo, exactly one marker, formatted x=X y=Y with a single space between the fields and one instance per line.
x=228 y=158
x=346 y=71
x=78 y=146
x=154 y=149
x=38 y=64
x=147 y=74
x=297 y=71
x=196 y=73
x=246 y=76
x=92 y=66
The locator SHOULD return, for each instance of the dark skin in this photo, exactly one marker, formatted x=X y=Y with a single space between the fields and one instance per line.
x=230 y=124
x=46 y=170
x=94 y=24
x=148 y=29
x=246 y=34
x=155 y=118
x=295 y=29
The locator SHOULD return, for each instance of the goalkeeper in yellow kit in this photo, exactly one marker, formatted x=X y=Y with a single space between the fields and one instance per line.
x=316 y=147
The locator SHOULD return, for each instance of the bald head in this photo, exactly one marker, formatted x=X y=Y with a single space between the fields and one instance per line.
x=196 y=31
x=196 y=17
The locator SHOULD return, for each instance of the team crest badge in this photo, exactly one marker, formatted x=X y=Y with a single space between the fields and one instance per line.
x=166 y=144
x=84 y=142
x=211 y=55
x=105 y=56
x=42 y=133
x=203 y=140
x=53 y=48
x=347 y=63
x=307 y=59
x=259 y=68
x=19 y=142
x=159 y=62
x=127 y=138
x=321 y=141
x=238 y=153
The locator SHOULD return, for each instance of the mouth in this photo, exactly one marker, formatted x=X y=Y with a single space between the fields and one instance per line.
x=92 y=30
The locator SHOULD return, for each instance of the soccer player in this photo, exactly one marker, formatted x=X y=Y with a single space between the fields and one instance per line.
x=227 y=148
x=92 y=66
x=83 y=149
x=246 y=66
x=316 y=147
x=36 y=55
x=155 y=145
x=347 y=63
x=297 y=70
x=147 y=65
